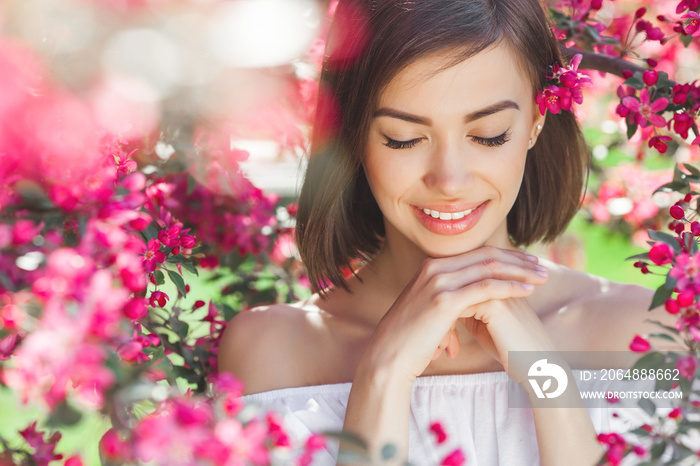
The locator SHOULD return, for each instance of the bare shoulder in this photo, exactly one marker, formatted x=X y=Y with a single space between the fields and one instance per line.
x=261 y=346
x=612 y=313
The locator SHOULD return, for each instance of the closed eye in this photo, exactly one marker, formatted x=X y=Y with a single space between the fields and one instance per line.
x=493 y=142
x=394 y=144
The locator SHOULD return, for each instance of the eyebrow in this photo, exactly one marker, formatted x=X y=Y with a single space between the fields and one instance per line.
x=484 y=112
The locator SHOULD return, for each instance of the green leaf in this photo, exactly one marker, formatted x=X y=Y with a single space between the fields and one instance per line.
x=664 y=336
x=179 y=282
x=666 y=327
x=693 y=171
x=658 y=449
x=160 y=278
x=649 y=361
x=191 y=183
x=631 y=129
x=636 y=257
x=679 y=186
x=660 y=297
x=635 y=81
x=664 y=238
x=648 y=406
x=686 y=39
x=64 y=415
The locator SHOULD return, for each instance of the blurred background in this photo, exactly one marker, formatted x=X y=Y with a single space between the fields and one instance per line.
x=225 y=91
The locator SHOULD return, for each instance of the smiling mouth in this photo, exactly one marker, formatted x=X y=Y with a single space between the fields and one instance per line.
x=448 y=215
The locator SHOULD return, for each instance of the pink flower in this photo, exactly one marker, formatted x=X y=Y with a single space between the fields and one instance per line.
x=682 y=122
x=639 y=344
x=135 y=309
x=153 y=256
x=158 y=297
x=661 y=253
x=169 y=236
x=657 y=142
x=686 y=270
x=693 y=26
x=643 y=111
x=685 y=298
x=675 y=413
x=44 y=449
x=8 y=345
x=687 y=365
x=114 y=447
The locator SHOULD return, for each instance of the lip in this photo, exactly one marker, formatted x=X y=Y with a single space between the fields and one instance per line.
x=450 y=227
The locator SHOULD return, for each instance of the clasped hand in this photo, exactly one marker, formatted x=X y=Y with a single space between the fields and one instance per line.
x=484 y=289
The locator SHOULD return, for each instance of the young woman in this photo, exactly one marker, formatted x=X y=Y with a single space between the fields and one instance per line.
x=432 y=166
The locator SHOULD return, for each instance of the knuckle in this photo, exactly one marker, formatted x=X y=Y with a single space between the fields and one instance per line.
x=430 y=266
x=438 y=281
x=486 y=285
x=439 y=300
x=492 y=265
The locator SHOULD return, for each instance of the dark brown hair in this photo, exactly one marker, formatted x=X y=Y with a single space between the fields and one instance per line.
x=370 y=41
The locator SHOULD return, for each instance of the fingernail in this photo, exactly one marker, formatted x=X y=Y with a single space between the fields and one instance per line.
x=528 y=286
x=541 y=271
x=532 y=258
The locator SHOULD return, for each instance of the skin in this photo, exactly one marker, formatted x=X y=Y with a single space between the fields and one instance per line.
x=426 y=294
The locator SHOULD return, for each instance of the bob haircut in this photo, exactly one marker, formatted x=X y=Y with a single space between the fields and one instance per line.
x=338 y=220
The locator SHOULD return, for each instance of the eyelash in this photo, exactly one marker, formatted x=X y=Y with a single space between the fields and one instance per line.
x=489 y=142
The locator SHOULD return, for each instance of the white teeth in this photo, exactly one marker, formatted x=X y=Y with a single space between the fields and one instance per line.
x=447 y=215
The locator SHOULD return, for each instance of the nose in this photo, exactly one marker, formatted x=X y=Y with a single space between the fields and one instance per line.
x=448 y=172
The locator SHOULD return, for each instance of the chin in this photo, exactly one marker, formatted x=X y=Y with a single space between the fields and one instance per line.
x=453 y=249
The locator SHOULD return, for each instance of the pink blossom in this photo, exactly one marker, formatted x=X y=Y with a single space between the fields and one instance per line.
x=639 y=344
x=43 y=449
x=693 y=26
x=153 y=256
x=657 y=142
x=686 y=270
x=661 y=253
x=643 y=111
x=687 y=365
x=158 y=297
x=114 y=447
x=169 y=236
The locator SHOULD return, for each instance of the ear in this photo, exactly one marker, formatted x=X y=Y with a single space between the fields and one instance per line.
x=537 y=126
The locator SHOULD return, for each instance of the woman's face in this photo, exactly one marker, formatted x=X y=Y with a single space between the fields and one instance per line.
x=451 y=142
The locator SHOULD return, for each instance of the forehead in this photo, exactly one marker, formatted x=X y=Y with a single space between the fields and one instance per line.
x=492 y=74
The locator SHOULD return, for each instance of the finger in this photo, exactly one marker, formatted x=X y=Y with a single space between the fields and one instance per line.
x=436 y=354
x=454 y=346
x=467 y=297
x=490 y=269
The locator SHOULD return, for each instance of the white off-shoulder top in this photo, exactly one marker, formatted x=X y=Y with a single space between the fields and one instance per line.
x=473 y=409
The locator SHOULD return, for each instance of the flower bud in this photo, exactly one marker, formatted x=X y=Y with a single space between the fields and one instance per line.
x=677 y=212
x=686 y=298
x=627 y=74
x=650 y=77
x=652 y=63
x=695 y=228
x=640 y=12
x=671 y=306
